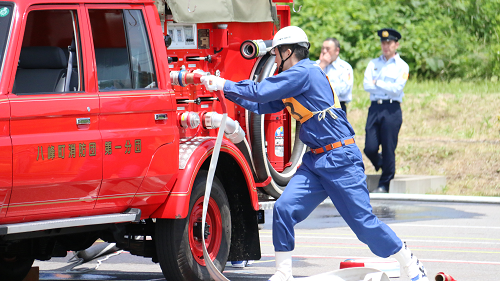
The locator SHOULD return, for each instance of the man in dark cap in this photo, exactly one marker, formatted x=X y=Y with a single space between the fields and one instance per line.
x=385 y=78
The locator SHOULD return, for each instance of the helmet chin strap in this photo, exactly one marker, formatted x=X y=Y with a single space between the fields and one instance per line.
x=280 y=69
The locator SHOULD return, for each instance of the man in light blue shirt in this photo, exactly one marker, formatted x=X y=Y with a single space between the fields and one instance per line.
x=339 y=72
x=385 y=78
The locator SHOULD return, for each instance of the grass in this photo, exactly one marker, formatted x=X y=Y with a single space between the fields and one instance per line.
x=449 y=128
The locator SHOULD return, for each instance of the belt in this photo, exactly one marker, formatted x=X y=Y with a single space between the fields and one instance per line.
x=332 y=146
x=384 y=101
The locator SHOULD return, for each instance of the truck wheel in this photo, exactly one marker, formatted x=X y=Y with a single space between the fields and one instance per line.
x=178 y=242
x=14 y=269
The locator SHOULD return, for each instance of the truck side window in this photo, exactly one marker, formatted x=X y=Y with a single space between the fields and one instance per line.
x=122 y=51
x=50 y=54
x=5 y=20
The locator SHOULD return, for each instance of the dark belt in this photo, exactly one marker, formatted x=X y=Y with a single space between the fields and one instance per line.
x=332 y=146
x=384 y=101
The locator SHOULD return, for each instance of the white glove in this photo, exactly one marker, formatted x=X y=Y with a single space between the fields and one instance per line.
x=213 y=83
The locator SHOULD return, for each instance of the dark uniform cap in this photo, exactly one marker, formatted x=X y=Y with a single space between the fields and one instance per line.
x=388 y=34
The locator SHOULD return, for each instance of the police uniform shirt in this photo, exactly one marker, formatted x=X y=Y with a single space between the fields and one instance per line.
x=391 y=76
x=341 y=77
x=307 y=83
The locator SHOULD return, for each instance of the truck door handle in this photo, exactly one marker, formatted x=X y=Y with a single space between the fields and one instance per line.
x=83 y=121
x=161 y=117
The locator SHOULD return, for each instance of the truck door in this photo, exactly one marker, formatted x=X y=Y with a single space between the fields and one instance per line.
x=137 y=117
x=5 y=155
x=57 y=159
x=6 y=11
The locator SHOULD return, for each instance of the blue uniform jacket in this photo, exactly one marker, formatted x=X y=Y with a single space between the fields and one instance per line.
x=307 y=83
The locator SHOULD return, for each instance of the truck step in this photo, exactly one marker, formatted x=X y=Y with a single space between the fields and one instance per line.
x=131 y=215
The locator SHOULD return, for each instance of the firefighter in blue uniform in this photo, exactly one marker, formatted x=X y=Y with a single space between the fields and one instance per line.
x=385 y=78
x=333 y=168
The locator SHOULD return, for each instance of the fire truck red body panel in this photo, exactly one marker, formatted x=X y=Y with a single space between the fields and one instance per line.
x=43 y=185
x=99 y=148
x=5 y=156
x=177 y=204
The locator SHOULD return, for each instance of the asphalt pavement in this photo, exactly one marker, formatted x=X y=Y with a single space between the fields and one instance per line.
x=460 y=239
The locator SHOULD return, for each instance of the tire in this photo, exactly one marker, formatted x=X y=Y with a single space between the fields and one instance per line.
x=179 y=252
x=14 y=269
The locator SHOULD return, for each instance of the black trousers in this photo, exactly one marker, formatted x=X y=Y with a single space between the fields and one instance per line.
x=382 y=129
x=344 y=108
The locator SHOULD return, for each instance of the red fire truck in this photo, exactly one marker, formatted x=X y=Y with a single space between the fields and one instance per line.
x=105 y=135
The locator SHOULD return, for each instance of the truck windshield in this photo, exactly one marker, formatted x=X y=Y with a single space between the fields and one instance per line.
x=6 y=10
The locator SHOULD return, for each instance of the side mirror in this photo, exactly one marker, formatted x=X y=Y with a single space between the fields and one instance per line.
x=168 y=40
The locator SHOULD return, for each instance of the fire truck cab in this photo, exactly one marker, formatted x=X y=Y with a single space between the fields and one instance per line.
x=102 y=137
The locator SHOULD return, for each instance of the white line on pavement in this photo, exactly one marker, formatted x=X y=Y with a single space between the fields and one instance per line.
x=351 y=257
x=402 y=237
x=444 y=226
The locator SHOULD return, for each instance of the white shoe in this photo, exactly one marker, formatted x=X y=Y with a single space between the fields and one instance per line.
x=283 y=267
x=413 y=268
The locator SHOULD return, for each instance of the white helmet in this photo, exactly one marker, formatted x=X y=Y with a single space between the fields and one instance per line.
x=290 y=35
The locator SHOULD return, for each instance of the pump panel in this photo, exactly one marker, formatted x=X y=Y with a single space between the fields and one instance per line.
x=183 y=36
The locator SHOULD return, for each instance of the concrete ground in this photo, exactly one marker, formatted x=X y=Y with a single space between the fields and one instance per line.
x=460 y=239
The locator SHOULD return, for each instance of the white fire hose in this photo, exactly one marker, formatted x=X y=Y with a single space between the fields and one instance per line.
x=214 y=272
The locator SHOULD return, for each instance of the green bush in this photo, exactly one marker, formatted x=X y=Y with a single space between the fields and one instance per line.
x=442 y=39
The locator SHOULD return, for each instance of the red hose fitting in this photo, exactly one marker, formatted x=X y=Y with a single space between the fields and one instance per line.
x=441 y=276
x=183 y=78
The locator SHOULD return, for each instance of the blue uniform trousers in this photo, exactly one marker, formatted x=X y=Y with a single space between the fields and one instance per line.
x=338 y=174
x=382 y=129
